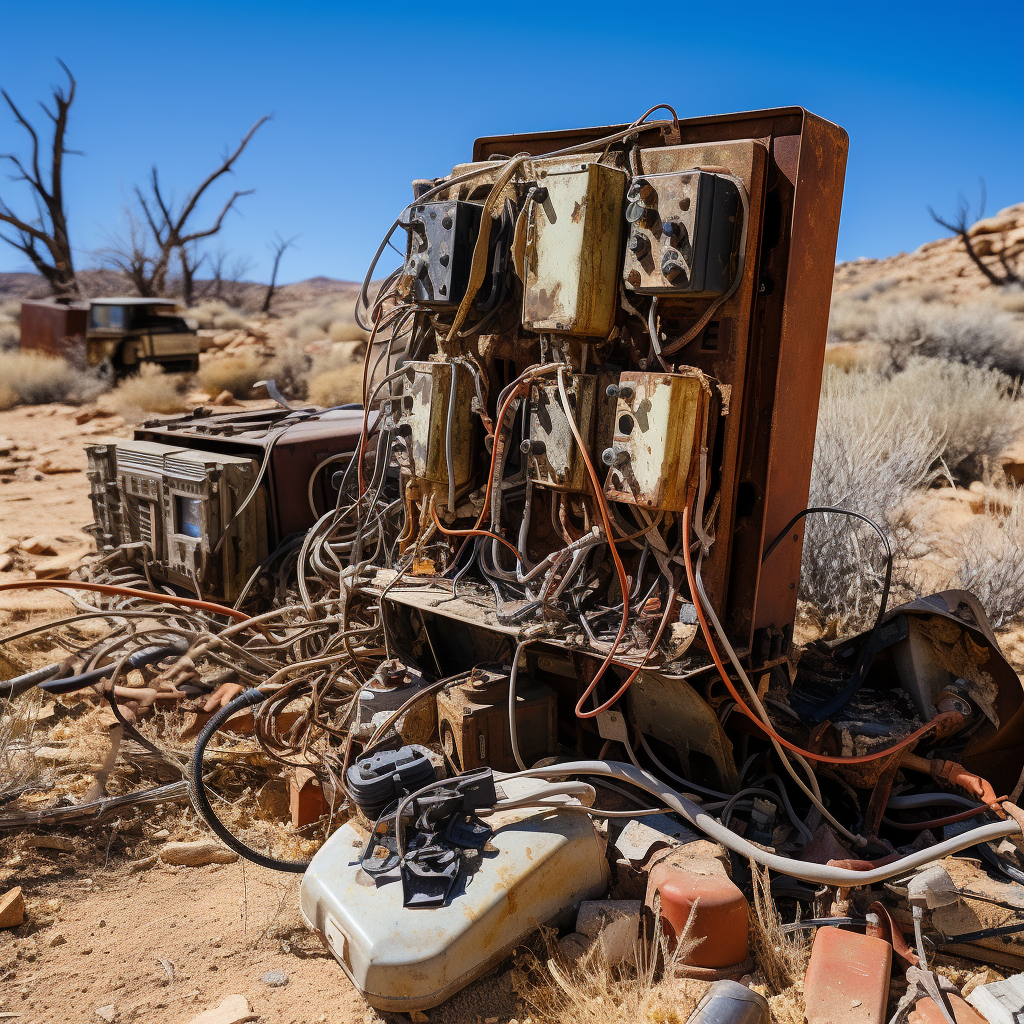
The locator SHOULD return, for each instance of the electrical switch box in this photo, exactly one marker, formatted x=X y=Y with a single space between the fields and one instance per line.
x=662 y=421
x=473 y=721
x=442 y=237
x=573 y=230
x=554 y=457
x=684 y=233
x=429 y=422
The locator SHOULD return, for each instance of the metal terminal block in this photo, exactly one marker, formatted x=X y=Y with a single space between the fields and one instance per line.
x=684 y=233
x=660 y=419
x=554 y=457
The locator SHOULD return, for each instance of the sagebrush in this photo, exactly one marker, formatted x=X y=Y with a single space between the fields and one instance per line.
x=32 y=378
x=150 y=390
x=990 y=560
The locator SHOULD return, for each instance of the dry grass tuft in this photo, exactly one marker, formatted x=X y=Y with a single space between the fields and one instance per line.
x=642 y=991
x=991 y=559
x=337 y=387
x=213 y=314
x=236 y=374
x=150 y=390
x=31 y=378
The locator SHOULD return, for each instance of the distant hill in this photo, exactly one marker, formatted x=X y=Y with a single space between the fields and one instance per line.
x=18 y=287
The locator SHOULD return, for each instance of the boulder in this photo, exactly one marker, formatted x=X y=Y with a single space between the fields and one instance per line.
x=197 y=853
x=12 y=908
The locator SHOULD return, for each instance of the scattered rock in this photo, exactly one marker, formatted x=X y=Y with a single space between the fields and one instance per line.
x=225 y=398
x=12 y=908
x=51 y=467
x=143 y=865
x=614 y=922
x=6 y=562
x=275 y=979
x=197 y=853
x=985 y=977
x=418 y=1017
x=40 y=545
x=60 y=565
x=91 y=413
x=107 y=1013
x=50 y=842
x=575 y=946
x=233 y=1010
x=8 y=544
x=57 y=939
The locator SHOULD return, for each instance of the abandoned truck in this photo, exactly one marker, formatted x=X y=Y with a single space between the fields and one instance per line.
x=533 y=646
x=114 y=336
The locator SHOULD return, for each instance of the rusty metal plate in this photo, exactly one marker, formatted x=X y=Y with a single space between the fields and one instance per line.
x=554 y=457
x=572 y=251
x=659 y=420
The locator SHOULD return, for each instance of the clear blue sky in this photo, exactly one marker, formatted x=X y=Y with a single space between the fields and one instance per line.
x=366 y=98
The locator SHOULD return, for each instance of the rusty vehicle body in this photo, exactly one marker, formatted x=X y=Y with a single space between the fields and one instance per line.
x=114 y=336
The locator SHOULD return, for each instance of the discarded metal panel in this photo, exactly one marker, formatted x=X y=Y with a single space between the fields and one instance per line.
x=1001 y=1002
x=423 y=417
x=572 y=250
x=536 y=868
x=847 y=979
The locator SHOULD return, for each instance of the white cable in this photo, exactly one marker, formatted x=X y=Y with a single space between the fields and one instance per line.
x=819 y=874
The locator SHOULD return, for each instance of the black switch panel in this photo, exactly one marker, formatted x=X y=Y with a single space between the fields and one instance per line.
x=442 y=237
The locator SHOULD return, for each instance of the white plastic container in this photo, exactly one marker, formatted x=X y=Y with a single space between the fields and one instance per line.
x=404 y=959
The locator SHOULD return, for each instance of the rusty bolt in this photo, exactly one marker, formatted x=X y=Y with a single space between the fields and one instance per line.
x=614 y=456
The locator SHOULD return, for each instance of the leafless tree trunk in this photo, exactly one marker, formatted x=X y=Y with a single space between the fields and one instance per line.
x=169 y=229
x=278 y=247
x=44 y=239
x=191 y=261
x=961 y=226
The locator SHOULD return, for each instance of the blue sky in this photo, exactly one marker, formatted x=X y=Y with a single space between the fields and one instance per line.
x=367 y=98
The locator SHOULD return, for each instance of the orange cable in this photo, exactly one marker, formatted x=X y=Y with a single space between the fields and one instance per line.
x=766 y=726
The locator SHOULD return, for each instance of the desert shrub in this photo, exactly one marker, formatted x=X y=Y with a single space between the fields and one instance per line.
x=976 y=411
x=150 y=390
x=335 y=320
x=337 y=387
x=213 y=314
x=308 y=333
x=290 y=370
x=990 y=559
x=870 y=455
x=10 y=335
x=32 y=378
x=235 y=374
x=11 y=310
x=978 y=334
x=346 y=329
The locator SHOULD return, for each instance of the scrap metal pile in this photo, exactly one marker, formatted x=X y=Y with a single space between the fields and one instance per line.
x=547 y=577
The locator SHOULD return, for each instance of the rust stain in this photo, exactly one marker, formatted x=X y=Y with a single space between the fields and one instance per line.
x=578 y=210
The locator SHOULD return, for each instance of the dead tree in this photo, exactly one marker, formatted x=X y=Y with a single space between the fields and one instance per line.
x=169 y=229
x=191 y=261
x=278 y=247
x=960 y=226
x=44 y=238
x=228 y=278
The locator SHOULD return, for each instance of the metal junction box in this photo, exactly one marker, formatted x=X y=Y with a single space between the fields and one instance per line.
x=174 y=507
x=422 y=417
x=554 y=457
x=684 y=233
x=661 y=421
x=442 y=237
x=473 y=721
x=574 y=226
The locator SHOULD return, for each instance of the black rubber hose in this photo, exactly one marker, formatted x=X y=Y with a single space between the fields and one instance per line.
x=145 y=656
x=20 y=684
x=201 y=802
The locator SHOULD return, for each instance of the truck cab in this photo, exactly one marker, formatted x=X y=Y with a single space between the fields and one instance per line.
x=122 y=333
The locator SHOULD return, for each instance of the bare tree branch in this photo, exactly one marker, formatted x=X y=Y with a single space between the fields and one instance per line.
x=169 y=229
x=960 y=226
x=50 y=226
x=278 y=246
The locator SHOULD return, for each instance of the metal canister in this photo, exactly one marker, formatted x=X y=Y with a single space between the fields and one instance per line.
x=729 y=1002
